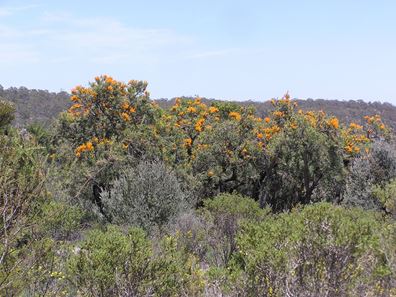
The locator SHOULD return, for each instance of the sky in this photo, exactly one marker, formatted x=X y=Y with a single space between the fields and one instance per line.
x=224 y=49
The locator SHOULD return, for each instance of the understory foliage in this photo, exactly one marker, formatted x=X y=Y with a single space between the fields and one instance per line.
x=123 y=198
x=147 y=196
x=321 y=250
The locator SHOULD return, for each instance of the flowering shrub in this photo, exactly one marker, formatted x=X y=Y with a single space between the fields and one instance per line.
x=102 y=111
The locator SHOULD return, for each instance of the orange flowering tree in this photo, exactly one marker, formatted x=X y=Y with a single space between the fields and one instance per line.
x=304 y=154
x=103 y=111
x=226 y=158
x=109 y=125
x=290 y=157
x=308 y=154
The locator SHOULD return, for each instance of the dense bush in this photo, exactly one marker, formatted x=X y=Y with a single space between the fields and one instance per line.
x=386 y=196
x=22 y=190
x=226 y=212
x=106 y=258
x=7 y=113
x=114 y=263
x=321 y=250
x=146 y=196
x=368 y=171
x=210 y=233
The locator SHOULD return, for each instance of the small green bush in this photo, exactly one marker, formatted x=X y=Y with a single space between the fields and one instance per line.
x=386 y=195
x=108 y=259
x=60 y=220
x=211 y=232
x=227 y=211
x=175 y=271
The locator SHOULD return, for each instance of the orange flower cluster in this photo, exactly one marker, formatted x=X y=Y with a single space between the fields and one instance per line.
x=354 y=126
x=278 y=114
x=125 y=117
x=86 y=147
x=187 y=142
x=333 y=122
x=235 y=115
x=268 y=132
x=375 y=121
x=199 y=124
x=213 y=109
x=192 y=116
x=349 y=148
x=310 y=116
x=354 y=142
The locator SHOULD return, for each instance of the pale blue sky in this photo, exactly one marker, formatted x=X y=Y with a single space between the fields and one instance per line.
x=222 y=49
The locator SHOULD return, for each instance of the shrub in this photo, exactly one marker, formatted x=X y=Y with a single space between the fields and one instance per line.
x=7 y=113
x=176 y=272
x=386 y=195
x=114 y=263
x=107 y=259
x=193 y=233
x=22 y=190
x=147 y=196
x=226 y=212
x=59 y=220
x=317 y=251
x=367 y=172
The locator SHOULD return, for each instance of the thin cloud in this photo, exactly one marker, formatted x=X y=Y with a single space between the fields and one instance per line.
x=96 y=40
x=6 y=11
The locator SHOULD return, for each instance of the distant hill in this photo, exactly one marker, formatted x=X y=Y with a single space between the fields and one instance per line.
x=43 y=106
x=35 y=105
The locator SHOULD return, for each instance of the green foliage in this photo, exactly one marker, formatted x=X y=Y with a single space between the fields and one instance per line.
x=112 y=263
x=42 y=135
x=226 y=212
x=386 y=195
x=22 y=179
x=108 y=258
x=60 y=220
x=236 y=206
x=306 y=163
x=227 y=158
x=319 y=249
x=7 y=113
x=175 y=271
x=210 y=232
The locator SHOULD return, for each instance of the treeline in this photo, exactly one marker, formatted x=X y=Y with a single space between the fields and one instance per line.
x=121 y=197
x=32 y=106
x=43 y=106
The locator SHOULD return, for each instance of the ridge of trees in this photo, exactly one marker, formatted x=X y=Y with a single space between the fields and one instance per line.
x=43 y=106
